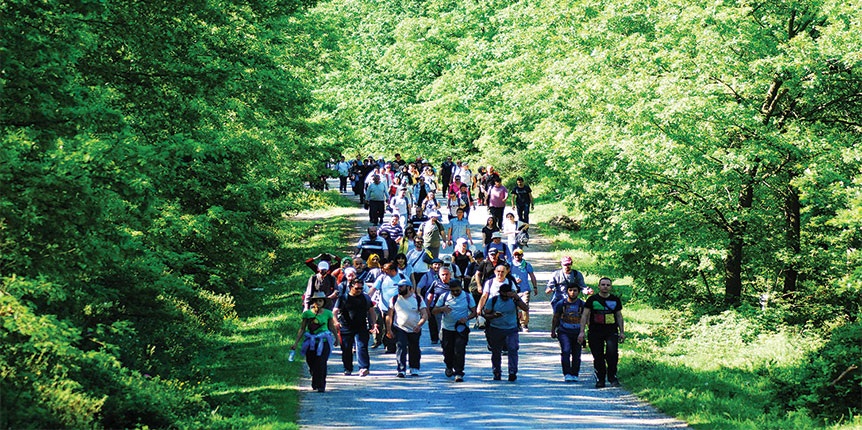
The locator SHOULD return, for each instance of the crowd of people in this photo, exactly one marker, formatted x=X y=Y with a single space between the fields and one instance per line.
x=420 y=267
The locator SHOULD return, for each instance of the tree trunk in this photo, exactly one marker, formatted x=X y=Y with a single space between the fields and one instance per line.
x=736 y=244
x=792 y=236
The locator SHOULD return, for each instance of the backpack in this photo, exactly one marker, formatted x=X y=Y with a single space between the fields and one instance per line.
x=522 y=237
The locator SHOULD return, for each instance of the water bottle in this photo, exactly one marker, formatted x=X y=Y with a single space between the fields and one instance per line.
x=292 y=355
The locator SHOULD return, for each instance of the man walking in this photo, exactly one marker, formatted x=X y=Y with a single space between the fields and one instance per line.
x=343 y=170
x=377 y=194
x=561 y=279
x=603 y=313
x=526 y=278
x=522 y=200
x=407 y=313
x=353 y=311
x=457 y=308
x=502 y=330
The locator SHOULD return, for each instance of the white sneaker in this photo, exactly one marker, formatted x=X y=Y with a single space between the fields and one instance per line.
x=414 y=372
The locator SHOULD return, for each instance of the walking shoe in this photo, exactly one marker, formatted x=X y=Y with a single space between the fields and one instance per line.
x=497 y=377
x=348 y=372
x=449 y=373
x=375 y=345
x=321 y=390
x=512 y=377
x=459 y=378
x=574 y=378
x=363 y=372
x=526 y=329
x=568 y=378
x=414 y=372
x=600 y=384
x=614 y=382
x=400 y=374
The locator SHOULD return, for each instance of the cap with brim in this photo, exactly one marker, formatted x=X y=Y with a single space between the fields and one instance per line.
x=436 y=260
x=461 y=240
x=323 y=265
x=566 y=260
x=317 y=295
x=447 y=258
x=404 y=282
x=435 y=214
x=496 y=235
x=493 y=251
x=518 y=251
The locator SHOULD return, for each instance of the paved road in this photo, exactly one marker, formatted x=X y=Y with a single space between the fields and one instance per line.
x=538 y=399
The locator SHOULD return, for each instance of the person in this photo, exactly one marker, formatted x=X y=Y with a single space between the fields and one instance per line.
x=465 y=173
x=510 y=229
x=403 y=267
x=396 y=232
x=479 y=184
x=459 y=228
x=565 y=327
x=418 y=259
x=525 y=277
x=323 y=256
x=488 y=231
x=522 y=200
x=561 y=279
x=401 y=204
x=315 y=332
x=420 y=193
x=407 y=313
x=433 y=233
x=384 y=288
x=502 y=327
x=353 y=312
x=323 y=282
x=497 y=243
x=603 y=314
x=495 y=198
x=446 y=172
x=374 y=271
x=439 y=286
x=457 y=308
x=429 y=178
x=455 y=186
x=391 y=245
x=343 y=169
x=430 y=205
x=371 y=243
x=407 y=242
x=377 y=194
x=461 y=259
x=451 y=204
x=465 y=200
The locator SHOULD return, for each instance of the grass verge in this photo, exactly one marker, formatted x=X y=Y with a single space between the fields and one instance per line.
x=251 y=383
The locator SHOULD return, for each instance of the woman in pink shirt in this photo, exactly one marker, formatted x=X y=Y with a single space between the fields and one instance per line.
x=496 y=199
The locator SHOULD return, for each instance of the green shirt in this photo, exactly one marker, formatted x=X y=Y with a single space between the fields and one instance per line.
x=319 y=322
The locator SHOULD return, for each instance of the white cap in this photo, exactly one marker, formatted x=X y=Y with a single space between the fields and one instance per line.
x=323 y=265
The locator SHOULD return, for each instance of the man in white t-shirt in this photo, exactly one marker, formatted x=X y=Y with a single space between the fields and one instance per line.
x=407 y=313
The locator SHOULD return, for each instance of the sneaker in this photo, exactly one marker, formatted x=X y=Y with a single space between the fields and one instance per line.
x=614 y=382
x=459 y=378
x=568 y=378
x=400 y=374
x=526 y=329
x=574 y=378
x=363 y=372
x=600 y=384
x=449 y=373
x=414 y=372
x=512 y=377
x=497 y=377
x=348 y=372
x=321 y=390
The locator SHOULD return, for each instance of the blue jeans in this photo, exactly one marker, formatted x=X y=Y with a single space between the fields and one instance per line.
x=496 y=339
x=570 y=353
x=523 y=212
x=605 y=361
x=406 y=343
x=348 y=340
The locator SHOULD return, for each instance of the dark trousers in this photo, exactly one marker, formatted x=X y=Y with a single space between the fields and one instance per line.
x=317 y=366
x=447 y=180
x=406 y=344
x=434 y=325
x=376 y=209
x=454 y=350
x=342 y=184
x=605 y=361
x=570 y=353
x=497 y=338
x=360 y=340
x=497 y=213
x=523 y=212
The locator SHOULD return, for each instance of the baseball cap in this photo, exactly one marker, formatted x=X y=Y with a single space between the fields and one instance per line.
x=518 y=251
x=436 y=260
x=496 y=235
x=323 y=265
x=566 y=260
x=493 y=251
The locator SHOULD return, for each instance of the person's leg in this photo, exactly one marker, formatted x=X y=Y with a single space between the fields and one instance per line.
x=512 y=343
x=434 y=327
x=459 y=353
x=311 y=360
x=435 y=251
x=524 y=213
x=447 y=343
x=597 y=348
x=347 y=342
x=525 y=315
x=371 y=212
x=612 y=356
x=565 y=351
x=381 y=211
x=362 y=350
x=495 y=343
x=576 y=356
x=400 y=348
x=415 y=352
x=321 y=367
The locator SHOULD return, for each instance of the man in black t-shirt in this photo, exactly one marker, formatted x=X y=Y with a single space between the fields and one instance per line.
x=353 y=311
x=603 y=313
x=522 y=200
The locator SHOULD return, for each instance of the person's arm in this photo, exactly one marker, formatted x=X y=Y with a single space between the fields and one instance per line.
x=482 y=300
x=476 y=278
x=469 y=236
x=513 y=202
x=450 y=233
x=532 y=205
x=552 y=285
x=331 y=324
x=535 y=284
x=471 y=315
x=618 y=316
x=335 y=312
x=300 y=333
x=585 y=319
x=389 y=314
x=372 y=316
x=555 y=322
x=424 y=317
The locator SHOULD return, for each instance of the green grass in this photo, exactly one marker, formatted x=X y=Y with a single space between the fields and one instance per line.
x=714 y=373
x=252 y=385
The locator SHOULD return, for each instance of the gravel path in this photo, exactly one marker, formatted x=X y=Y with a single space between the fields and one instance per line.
x=538 y=399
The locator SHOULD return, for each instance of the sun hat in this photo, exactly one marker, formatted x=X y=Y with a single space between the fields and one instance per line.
x=317 y=295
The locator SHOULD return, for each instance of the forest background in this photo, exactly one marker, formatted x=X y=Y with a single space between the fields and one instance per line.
x=152 y=153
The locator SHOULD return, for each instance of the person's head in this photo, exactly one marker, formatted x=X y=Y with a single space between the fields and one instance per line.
x=323 y=268
x=498 y=181
x=390 y=268
x=500 y=271
x=493 y=253
x=434 y=215
x=451 y=195
x=448 y=158
x=373 y=261
x=318 y=300
x=395 y=219
x=445 y=274
x=491 y=222
x=604 y=286
x=396 y=181
x=349 y=273
x=372 y=232
x=376 y=179
x=402 y=192
x=510 y=216
x=461 y=244
x=384 y=234
x=518 y=255
x=356 y=286
x=496 y=237
x=566 y=264
x=436 y=264
x=463 y=188
x=409 y=232
x=572 y=292
x=457 y=180
x=418 y=242
x=404 y=287
x=459 y=213
x=346 y=262
x=455 y=287
x=505 y=290
x=520 y=181
x=479 y=256
x=401 y=260
x=358 y=263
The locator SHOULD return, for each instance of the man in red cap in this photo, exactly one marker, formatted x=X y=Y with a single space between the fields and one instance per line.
x=561 y=279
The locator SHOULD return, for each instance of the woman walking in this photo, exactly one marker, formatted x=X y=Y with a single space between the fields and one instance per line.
x=315 y=332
